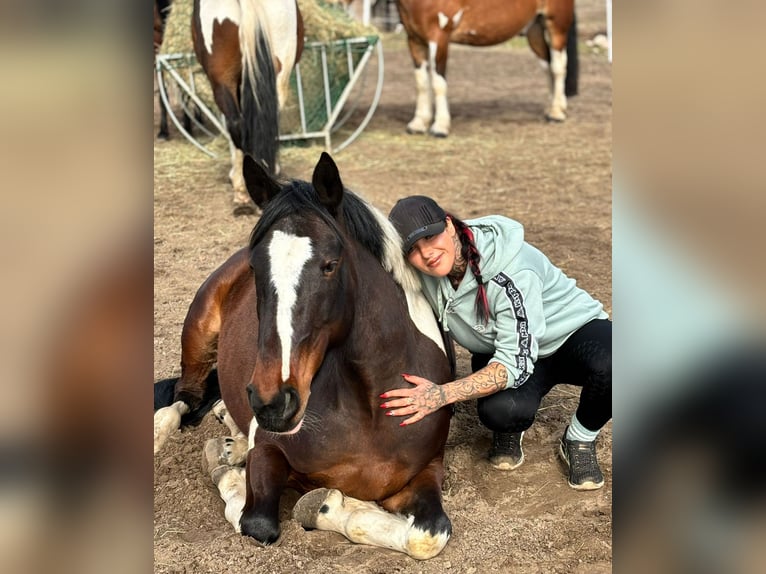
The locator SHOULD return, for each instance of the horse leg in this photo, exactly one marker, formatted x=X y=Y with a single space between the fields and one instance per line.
x=412 y=522
x=227 y=103
x=231 y=484
x=438 y=66
x=558 y=25
x=423 y=105
x=242 y=203
x=199 y=346
x=265 y=482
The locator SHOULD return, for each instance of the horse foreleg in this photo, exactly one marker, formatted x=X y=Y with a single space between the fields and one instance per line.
x=558 y=72
x=267 y=473
x=423 y=107
x=423 y=104
x=241 y=199
x=365 y=522
x=438 y=66
x=231 y=484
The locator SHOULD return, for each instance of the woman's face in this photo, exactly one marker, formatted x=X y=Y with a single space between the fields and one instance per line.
x=434 y=254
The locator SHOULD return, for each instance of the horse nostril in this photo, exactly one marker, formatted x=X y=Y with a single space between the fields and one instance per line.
x=292 y=403
x=253 y=398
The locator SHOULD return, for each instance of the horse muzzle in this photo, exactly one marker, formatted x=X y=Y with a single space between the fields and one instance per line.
x=278 y=414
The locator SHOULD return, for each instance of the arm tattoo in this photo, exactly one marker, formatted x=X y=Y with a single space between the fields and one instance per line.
x=483 y=382
x=434 y=399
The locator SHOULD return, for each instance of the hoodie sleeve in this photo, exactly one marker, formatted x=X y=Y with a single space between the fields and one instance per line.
x=519 y=323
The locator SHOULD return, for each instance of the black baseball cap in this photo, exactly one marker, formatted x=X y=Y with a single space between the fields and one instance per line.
x=415 y=217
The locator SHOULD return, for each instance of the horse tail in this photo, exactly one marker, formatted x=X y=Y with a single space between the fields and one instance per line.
x=258 y=90
x=573 y=62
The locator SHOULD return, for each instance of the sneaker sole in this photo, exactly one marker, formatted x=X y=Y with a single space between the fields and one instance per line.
x=507 y=465
x=510 y=465
x=589 y=485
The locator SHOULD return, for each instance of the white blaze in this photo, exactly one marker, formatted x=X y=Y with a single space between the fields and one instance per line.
x=288 y=255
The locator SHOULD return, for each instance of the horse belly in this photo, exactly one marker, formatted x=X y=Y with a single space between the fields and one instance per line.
x=494 y=23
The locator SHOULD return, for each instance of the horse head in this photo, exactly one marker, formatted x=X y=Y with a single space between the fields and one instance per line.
x=304 y=276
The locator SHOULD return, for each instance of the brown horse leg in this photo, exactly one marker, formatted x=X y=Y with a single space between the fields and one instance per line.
x=199 y=337
x=267 y=474
x=199 y=344
x=413 y=521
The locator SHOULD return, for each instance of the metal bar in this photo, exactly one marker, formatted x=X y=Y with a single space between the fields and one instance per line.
x=174 y=119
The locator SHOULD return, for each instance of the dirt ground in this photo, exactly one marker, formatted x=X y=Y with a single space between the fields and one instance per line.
x=501 y=157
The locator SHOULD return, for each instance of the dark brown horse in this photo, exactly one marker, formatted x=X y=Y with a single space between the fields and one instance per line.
x=432 y=24
x=247 y=49
x=308 y=326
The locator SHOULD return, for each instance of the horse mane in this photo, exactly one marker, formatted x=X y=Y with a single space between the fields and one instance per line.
x=363 y=222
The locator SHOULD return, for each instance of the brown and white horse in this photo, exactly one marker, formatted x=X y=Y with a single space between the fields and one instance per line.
x=308 y=326
x=431 y=25
x=247 y=49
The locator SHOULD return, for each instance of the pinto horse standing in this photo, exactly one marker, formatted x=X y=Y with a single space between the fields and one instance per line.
x=308 y=326
x=432 y=24
x=247 y=49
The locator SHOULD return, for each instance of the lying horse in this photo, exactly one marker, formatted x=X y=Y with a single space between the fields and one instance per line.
x=308 y=326
x=247 y=49
x=432 y=24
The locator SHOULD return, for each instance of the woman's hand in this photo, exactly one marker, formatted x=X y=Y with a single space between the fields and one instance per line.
x=424 y=398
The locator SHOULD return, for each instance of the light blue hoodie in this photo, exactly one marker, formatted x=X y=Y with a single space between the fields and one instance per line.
x=533 y=306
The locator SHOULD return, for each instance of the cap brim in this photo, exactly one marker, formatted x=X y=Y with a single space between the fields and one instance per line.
x=420 y=232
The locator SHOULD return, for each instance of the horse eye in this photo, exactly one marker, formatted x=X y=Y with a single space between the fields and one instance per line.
x=330 y=267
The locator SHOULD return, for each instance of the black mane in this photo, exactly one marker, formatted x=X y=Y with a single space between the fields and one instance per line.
x=301 y=197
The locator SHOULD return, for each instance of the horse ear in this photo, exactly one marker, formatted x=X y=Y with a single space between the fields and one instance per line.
x=260 y=185
x=326 y=181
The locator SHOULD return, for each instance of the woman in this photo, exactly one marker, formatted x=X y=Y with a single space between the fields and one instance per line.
x=527 y=325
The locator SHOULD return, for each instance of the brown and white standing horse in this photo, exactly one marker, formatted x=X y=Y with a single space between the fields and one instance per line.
x=308 y=326
x=247 y=49
x=432 y=24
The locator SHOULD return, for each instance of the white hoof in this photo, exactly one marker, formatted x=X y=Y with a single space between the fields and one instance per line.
x=166 y=421
x=230 y=451
x=417 y=126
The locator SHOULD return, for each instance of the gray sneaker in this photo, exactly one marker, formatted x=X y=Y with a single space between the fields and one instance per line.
x=580 y=457
x=506 y=452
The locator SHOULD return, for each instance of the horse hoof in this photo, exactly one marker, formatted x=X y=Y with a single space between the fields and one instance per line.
x=440 y=135
x=310 y=505
x=220 y=411
x=555 y=118
x=415 y=132
x=244 y=209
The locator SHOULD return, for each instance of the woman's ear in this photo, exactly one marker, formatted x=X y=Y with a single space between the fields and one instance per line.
x=450 y=227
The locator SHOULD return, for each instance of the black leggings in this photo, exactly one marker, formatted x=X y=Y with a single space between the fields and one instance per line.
x=584 y=360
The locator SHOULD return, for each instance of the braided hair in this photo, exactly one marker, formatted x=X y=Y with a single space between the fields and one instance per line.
x=472 y=256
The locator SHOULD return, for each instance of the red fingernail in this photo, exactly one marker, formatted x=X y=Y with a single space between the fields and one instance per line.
x=384 y=396
x=402 y=424
x=405 y=375
x=384 y=406
x=389 y=414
